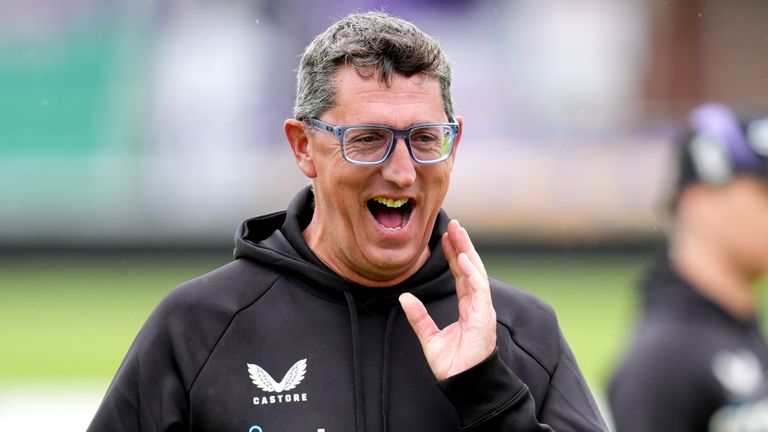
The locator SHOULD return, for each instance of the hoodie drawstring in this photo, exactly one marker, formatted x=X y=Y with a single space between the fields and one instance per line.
x=359 y=397
x=385 y=368
x=359 y=405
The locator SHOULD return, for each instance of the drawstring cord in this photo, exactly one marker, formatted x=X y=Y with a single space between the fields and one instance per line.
x=359 y=398
x=359 y=405
x=385 y=368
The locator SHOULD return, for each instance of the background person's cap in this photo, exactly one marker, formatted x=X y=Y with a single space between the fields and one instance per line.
x=719 y=144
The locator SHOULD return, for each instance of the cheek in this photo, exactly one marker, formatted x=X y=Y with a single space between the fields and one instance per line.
x=437 y=179
x=750 y=228
x=755 y=212
x=344 y=190
x=760 y=226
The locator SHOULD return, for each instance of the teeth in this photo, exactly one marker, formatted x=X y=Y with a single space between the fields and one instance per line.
x=389 y=202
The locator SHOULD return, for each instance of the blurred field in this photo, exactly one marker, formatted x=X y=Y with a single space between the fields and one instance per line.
x=72 y=318
x=592 y=294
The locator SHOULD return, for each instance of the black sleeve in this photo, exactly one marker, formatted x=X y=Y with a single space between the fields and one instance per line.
x=150 y=391
x=491 y=398
x=569 y=404
x=147 y=393
x=483 y=394
x=653 y=389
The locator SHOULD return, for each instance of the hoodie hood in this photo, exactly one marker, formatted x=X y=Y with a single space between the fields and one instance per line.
x=275 y=240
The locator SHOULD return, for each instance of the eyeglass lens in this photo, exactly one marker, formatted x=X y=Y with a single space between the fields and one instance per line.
x=428 y=144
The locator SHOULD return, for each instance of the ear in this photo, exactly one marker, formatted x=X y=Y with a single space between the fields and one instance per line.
x=460 y=121
x=298 y=138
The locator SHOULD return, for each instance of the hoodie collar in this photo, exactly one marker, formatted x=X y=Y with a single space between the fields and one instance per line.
x=664 y=290
x=276 y=240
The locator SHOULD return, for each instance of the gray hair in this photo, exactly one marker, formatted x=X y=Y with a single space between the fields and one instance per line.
x=371 y=40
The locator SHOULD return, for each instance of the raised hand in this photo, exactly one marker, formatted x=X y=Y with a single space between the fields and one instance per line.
x=472 y=338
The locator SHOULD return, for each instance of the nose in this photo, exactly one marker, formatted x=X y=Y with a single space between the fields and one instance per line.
x=399 y=167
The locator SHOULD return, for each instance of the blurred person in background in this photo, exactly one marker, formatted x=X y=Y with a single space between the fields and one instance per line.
x=698 y=359
x=363 y=306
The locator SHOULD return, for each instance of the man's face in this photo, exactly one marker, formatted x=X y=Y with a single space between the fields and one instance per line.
x=372 y=223
x=746 y=222
x=735 y=217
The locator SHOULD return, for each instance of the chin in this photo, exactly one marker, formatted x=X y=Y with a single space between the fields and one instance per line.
x=395 y=260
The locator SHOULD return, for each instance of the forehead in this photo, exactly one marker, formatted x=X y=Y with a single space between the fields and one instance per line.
x=368 y=99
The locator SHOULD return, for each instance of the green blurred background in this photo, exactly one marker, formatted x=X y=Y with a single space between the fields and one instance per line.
x=73 y=317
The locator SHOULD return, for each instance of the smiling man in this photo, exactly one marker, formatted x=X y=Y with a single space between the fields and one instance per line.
x=362 y=307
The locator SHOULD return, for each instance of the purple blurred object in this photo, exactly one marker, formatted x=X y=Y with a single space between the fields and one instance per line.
x=718 y=121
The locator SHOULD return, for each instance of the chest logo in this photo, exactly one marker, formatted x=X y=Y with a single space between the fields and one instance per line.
x=739 y=372
x=265 y=382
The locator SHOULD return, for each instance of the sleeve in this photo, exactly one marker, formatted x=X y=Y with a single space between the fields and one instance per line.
x=637 y=407
x=491 y=398
x=149 y=390
x=653 y=389
x=569 y=404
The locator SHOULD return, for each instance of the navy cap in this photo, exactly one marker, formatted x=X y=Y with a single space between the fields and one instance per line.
x=719 y=144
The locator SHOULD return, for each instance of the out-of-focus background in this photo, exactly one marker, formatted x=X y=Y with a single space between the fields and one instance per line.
x=136 y=135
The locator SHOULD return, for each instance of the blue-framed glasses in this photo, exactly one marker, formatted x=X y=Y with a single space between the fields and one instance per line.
x=372 y=144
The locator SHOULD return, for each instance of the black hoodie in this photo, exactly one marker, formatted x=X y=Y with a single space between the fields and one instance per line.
x=691 y=366
x=275 y=341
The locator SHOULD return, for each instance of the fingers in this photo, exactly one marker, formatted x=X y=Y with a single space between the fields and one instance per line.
x=451 y=255
x=475 y=279
x=419 y=318
x=459 y=236
x=460 y=242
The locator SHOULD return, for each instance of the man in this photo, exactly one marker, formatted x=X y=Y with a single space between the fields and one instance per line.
x=330 y=317
x=697 y=361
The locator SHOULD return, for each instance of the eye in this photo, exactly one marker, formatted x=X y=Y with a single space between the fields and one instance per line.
x=427 y=137
x=422 y=137
x=366 y=136
x=368 y=139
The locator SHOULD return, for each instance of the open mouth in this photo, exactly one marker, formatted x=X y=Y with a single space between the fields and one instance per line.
x=390 y=213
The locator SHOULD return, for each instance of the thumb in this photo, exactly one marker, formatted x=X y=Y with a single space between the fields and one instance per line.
x=418 y=318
